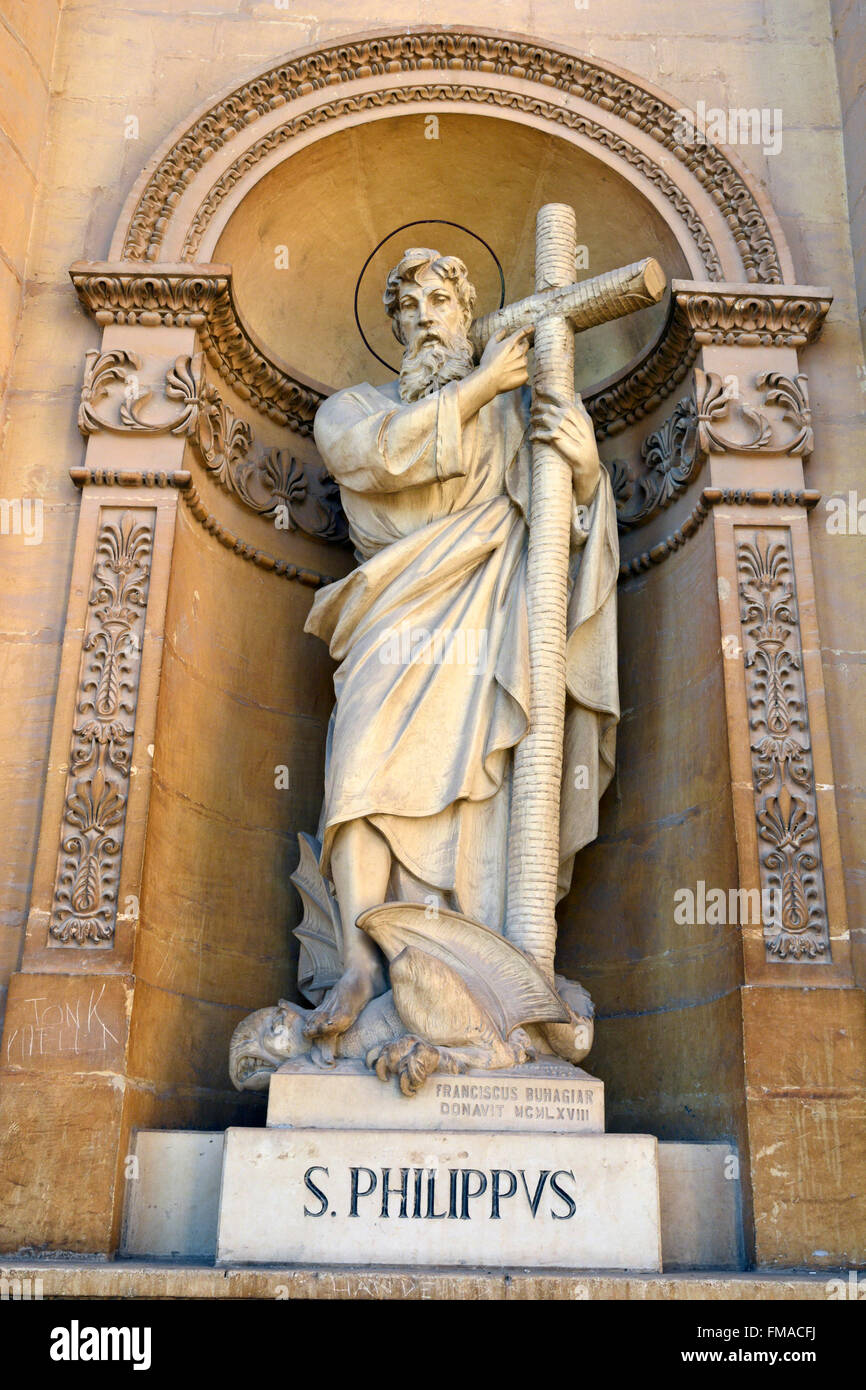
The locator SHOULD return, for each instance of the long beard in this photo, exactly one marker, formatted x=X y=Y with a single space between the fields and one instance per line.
x=431 y=366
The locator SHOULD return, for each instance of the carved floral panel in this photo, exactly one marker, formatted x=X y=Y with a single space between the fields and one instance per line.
x=789 y=842
x=84 y=909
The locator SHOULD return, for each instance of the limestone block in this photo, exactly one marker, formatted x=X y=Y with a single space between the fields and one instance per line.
x=36 y=27
x=18 y=183
x=140 y=1279
x=22 y=98
x=10 y=299
x=172 y=1197
x=806 y=1089
x=402 y=1197
x=544 y=1097
x=740 y=18
x=700 y=1215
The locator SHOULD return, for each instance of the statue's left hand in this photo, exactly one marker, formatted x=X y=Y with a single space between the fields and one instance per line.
x=566 y=426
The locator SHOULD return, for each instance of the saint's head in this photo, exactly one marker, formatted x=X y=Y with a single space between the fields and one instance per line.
x=429 y=300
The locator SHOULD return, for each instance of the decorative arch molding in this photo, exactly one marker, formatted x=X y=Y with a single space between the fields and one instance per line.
x=721 y=217
x=160 y=267
x=162 y=272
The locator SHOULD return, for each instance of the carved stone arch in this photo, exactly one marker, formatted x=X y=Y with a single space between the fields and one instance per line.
x=716 y=213
x=626 y=121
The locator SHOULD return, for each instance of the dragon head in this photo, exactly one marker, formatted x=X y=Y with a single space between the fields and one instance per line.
x=263 y=1041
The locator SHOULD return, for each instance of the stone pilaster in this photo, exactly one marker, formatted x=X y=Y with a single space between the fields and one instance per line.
x=72 y=1004
x=801 y=1014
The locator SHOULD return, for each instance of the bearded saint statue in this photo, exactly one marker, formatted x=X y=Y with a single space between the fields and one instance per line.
x=430 y=631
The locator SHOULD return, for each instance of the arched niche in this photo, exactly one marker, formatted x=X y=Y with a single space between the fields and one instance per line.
x=329 y=149
x=325 y=153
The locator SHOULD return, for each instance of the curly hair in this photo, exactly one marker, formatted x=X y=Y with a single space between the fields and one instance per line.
x=416 y=260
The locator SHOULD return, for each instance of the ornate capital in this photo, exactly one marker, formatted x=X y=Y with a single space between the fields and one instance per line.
x=752 y=315
x=200 y=298
x=171 y=297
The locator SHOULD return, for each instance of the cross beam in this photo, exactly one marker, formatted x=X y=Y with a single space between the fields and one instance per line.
x=585 y=303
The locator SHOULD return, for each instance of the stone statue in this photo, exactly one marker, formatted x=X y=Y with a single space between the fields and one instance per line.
x=425 y=841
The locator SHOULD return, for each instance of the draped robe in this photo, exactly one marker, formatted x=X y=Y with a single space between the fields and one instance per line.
x=431 y=635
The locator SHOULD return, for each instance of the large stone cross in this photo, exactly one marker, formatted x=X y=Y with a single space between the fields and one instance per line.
x=557 y=310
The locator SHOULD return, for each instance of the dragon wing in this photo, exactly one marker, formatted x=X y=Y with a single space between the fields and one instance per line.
x=320 y=961
x=508 y=982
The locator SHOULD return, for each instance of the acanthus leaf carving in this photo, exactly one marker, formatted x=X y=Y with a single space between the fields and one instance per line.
x=221 y=438
x=792 y=395
x=715 y=397
x=102 y=369
x=84 y=907
x=672 y=457
x=270 y=481
x=298 y=496
x=789 y=853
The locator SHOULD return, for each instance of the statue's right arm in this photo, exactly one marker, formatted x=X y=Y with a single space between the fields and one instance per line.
x=386 y=450
x=371 y=448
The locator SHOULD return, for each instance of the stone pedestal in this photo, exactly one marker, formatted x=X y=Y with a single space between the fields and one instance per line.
x=490 y=1168
x=548 y=1096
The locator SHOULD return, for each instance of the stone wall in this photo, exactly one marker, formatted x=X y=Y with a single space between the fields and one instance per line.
x=849 y=39
x=27 y=38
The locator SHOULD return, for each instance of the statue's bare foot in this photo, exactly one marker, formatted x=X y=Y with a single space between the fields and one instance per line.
x=410 y=1059
x=343 y=1003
